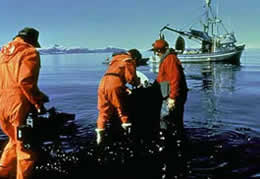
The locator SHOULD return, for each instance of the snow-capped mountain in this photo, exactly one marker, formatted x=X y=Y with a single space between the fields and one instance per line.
x=57 y=49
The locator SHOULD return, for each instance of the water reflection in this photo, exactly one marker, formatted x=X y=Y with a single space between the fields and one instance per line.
x=215 y=77
x=213 y=82
x=209 y=84
x=212 y=148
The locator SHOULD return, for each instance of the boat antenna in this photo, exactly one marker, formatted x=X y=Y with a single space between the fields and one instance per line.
x=217 y=17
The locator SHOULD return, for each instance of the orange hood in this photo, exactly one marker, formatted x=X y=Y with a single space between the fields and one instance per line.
x=12 y=48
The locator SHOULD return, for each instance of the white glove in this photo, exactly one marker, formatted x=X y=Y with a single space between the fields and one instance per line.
x=100 y=135
x=128 y=91
x=170 y=103
x=127 y=127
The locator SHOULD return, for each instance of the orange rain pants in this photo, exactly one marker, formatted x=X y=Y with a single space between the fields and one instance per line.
x=112 y=90
x=19 y=71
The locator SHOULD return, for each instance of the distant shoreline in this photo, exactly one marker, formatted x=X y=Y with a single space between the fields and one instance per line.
x=56 y=50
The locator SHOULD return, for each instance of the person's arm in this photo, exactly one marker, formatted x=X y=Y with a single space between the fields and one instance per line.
x=28 y=78
x=174 y=76
x=130 y=72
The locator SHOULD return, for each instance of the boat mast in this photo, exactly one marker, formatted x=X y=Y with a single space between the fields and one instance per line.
x=211 y=21
x=206 y=26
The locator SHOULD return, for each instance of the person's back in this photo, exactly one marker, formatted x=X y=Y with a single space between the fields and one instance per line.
x=111 y=86
x=112 y=90
x=123 y=66
x=10 y=60
x=19 y=95
x=175 y=75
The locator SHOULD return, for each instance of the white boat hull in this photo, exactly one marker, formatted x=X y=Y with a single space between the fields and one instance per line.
x=231 y=56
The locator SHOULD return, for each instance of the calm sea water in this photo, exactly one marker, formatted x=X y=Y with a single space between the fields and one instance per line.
x=221 y=120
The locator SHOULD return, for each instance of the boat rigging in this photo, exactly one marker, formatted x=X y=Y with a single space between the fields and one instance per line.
x=217 y=44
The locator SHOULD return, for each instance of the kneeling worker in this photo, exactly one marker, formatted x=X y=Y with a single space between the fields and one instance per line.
x=19 y=95
x=112 y=90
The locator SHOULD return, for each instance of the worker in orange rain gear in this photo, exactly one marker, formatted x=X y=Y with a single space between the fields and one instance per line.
x=112 y=90
x=171 y=72
x=19 y=95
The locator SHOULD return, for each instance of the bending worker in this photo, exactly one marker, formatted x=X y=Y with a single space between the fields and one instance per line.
x=171 y=72
x=112 y=90
x=19 y=95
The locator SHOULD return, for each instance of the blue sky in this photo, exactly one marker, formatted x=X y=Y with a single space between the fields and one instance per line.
x=120 y=23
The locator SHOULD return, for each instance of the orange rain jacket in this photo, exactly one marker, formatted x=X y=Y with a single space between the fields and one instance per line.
x=171 y=70
x=19 y=71
x=112 y=90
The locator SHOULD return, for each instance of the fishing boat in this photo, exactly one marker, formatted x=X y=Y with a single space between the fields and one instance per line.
x=216 y=43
